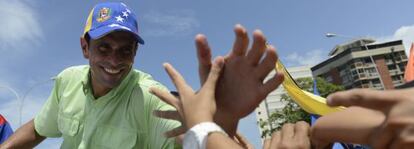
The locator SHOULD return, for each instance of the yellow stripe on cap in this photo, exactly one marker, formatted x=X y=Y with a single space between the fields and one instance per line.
x=88 y=24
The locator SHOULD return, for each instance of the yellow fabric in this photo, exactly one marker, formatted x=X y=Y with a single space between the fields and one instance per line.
x=307 y=101
x=88 y=23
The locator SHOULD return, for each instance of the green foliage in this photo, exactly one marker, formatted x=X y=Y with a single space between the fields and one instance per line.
x=292 y=112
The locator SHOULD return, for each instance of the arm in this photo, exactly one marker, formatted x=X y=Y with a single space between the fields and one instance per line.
x=219 y=140
x=25 y=137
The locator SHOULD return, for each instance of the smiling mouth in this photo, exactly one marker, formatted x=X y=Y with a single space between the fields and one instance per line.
x=112 y=71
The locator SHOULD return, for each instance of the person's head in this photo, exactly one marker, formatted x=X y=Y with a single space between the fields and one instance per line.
x=110 y=42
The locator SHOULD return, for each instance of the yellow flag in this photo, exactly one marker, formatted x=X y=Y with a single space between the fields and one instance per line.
x=309 y=102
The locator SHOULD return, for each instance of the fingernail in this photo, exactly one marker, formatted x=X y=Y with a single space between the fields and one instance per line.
x=329 y=100
x=220 y=62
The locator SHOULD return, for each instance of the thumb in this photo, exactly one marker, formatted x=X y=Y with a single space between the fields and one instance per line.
x=214 y=74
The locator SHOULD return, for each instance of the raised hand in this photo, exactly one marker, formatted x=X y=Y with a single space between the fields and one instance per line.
x=192 y=107
x=291 y=136
x=241 y=87
x=386 y=119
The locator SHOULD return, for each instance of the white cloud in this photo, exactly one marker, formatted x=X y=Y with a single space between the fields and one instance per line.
x=405 y=33
x=20 y=27
x=171 y=23
x=309 y=58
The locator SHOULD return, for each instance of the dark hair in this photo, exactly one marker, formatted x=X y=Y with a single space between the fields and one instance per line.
x=87 y=37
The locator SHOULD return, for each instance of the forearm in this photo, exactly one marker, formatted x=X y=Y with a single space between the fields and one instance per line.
x=25 y=137
x=219 y=140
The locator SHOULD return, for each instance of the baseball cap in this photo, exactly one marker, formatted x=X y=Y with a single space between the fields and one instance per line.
x=108 y=17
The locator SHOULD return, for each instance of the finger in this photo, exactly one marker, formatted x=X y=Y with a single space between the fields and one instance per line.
x=259 y=45
x=271 y=84
x=266 y=144
x=402 y=133
x=204 y=57
x=383 y=137
x=377 y=100
x=268 y=63
x=241 y=43
x=288 y=131
x=214 y=74
x=179 y=139
x=175 y=132
x=173 y=115
x=407 y=137
x=166 y=97
x=360 y=122
x=302 y=130
x=276 y=138
x=178 y=80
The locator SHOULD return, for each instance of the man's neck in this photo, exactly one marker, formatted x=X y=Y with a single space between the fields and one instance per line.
x=98 y=90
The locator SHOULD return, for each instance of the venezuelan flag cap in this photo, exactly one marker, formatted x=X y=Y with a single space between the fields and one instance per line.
x=108 y=17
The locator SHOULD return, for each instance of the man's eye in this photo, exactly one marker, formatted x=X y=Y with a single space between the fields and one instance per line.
x=126 y=51
x=103 y=49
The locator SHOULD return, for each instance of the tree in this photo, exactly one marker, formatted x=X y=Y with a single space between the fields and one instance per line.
x=292 y=112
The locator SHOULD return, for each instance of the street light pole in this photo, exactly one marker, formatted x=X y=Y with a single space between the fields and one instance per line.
x=11 y=90
x=330 y=35
x=26 y=93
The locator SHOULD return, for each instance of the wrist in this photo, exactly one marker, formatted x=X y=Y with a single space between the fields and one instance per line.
x=226 y=121
x=193 y=123
x=198 y=118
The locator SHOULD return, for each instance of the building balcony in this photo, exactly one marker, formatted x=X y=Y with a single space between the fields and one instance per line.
x=398 y=82
x=395 y=72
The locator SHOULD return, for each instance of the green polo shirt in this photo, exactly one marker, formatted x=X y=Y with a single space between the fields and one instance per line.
x=120 y=119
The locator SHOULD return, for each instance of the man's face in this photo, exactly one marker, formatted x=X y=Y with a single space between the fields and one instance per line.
x=110 y=57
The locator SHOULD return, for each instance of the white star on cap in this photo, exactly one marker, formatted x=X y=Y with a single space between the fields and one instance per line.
x=117 y=25
x=119 y=19
x=127 y=10
x=124 y=14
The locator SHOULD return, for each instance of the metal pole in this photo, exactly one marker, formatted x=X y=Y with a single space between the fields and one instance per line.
x=26 y=93
x=15 y=94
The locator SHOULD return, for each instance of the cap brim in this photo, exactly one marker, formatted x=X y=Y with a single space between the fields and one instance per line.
x=102 y=31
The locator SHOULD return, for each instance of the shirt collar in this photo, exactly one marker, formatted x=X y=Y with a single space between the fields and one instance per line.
x=87 y=86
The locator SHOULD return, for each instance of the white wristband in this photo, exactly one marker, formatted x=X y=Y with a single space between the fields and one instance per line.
x=196 y=137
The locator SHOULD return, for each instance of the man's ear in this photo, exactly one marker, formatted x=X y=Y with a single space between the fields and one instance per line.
x=85 y=47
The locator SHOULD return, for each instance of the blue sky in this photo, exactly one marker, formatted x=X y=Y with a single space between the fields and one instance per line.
x=38 y=39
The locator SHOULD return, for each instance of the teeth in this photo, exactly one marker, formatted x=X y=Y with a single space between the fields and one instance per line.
x=112 y=71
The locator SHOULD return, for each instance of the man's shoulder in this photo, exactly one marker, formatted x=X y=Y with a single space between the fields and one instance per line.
x=73 y=73
x=145 y=80
x=74 y=70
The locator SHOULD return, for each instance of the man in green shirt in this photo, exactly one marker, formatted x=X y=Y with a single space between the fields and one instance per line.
x=105 y=104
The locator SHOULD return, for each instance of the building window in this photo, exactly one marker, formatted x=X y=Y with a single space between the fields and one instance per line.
x=392 y=67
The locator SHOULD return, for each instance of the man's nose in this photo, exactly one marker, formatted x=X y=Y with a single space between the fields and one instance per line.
x=115 y=59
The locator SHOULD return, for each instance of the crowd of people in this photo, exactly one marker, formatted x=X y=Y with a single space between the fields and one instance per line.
x=109 y=104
